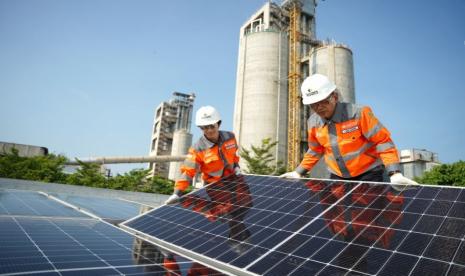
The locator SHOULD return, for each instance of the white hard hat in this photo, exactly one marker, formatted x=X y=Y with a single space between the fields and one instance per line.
x=207 y=115
x=316 y=88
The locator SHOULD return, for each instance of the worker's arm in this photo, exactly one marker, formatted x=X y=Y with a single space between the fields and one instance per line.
x=311 y=157
x=313 y=154
x=189 y=169
x=377 y=134
x=237 y=168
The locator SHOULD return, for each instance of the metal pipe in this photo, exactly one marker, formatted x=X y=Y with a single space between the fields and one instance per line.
x=131 y=159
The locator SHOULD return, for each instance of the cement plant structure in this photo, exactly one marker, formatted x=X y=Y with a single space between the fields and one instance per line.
x=171 y=133
x=264 y=74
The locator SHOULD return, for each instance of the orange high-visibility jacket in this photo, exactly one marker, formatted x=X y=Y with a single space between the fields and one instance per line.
x=352 y=142
x=212 y=160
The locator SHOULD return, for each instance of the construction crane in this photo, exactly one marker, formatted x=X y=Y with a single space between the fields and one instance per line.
x=293 y=136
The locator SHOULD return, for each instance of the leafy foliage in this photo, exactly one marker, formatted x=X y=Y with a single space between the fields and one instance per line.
x=135 y=180
x=161 y=185
x=49 y=168
x=445 y=174
x=260 y=160
x=88 y=174
x=39 y=168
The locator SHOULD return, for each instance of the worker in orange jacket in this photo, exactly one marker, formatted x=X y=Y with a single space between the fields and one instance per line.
x=214 y=155
x=354 y=143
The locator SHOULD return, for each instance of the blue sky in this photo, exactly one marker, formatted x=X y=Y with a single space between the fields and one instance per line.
x=83 y=77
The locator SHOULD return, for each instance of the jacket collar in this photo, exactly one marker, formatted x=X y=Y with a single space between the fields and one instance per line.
x=207 y=144
x=338 y=115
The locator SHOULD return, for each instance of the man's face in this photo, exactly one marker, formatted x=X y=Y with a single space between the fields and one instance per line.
x=211 y=132
x=325 y=108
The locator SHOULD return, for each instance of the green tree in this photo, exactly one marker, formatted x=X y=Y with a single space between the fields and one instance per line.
x=260 y=159
x=49 y=168
x=46 y=168
x=88 y=174
x=162 y=185
x=135 y=180
x=445 y=174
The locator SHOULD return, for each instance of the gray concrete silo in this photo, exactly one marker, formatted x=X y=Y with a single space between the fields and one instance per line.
x=261 y=86
x=182 y=140
x=335 y=61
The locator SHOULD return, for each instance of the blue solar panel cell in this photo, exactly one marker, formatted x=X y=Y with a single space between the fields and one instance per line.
x=309 y=267
x=399 y=264
x=430 y=267
x=372 y=262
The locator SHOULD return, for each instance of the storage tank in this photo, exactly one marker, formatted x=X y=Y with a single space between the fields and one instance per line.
x=182 y=140
x=261 y=90
x=335 y=61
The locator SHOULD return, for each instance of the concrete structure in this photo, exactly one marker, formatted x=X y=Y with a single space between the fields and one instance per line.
x=182 y=140
x=262 y=72
x=335 y=61
x=170 y=116
x=129 y=159
x=415 y=162
x=23 y=150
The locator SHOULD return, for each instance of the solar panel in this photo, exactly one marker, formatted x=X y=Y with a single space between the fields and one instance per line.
x=41 y=236
x=270 y=226
x=63 y=246
x=14 y=202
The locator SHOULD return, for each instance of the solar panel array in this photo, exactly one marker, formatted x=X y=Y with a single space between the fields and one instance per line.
x=270 y=226
x=39 y=236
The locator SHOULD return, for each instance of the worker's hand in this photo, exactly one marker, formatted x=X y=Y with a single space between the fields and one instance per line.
x=174 y=198
x=237 y=171
x=292 y=174
x=398 y=178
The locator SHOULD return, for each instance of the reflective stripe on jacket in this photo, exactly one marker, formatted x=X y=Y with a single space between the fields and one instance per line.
x=212 y=160
x=352 y=142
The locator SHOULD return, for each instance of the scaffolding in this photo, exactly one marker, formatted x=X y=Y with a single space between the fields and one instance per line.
x=293 y=151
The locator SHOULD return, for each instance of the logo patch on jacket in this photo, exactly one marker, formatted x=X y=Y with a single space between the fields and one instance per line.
x=352 y=129
x=230 y=145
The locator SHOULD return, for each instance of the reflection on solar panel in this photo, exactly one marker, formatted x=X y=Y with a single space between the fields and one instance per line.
x=265 y=225
x=32 y=204
x=39 y=236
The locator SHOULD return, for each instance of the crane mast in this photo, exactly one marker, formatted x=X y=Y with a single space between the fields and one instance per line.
x=293 y=138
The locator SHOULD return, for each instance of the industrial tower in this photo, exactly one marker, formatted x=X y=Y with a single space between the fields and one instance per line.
x=171 y=132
